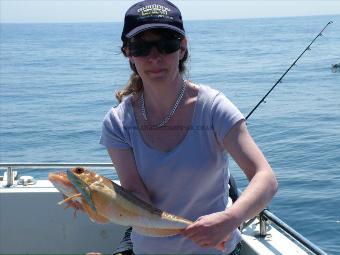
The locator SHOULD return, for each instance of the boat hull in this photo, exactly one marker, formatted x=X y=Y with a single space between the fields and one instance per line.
x=33 y=223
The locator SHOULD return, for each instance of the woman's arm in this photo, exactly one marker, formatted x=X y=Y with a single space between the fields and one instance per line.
x=262 y=182
x=211 y=230
x=125 y=165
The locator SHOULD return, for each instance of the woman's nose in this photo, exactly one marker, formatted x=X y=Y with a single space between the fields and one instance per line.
x=154 y=53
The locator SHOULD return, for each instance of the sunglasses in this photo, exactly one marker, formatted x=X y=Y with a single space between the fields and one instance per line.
x=141 y=48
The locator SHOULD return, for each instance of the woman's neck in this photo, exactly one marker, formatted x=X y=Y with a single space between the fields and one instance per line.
x=160 y=97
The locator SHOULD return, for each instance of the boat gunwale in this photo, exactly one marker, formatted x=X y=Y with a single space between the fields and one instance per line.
x=265 y=215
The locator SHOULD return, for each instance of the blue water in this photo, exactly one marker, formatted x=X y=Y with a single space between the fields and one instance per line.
x=58 y=81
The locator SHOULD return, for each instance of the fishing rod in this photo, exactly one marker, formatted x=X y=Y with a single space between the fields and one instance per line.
x=280 y=80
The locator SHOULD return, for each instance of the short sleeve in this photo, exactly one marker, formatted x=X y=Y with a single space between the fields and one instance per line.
x=224 y=116
x=113 y=131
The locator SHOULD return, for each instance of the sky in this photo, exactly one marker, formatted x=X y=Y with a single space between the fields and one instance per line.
x=55 y=11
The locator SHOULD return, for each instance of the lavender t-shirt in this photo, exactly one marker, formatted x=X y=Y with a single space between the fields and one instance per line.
x=191 y=180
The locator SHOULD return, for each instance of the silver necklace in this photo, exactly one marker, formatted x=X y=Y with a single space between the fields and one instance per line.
x=171 y=113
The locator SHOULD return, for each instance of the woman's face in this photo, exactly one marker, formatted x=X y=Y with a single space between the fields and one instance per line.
x=157 y=66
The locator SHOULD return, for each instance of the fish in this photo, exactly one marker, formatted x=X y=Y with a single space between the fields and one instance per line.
x=104 y=201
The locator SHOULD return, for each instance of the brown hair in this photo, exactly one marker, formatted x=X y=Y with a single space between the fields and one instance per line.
x=135 y=83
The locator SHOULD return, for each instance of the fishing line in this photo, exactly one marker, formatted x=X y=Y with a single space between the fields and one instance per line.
x=280 y=80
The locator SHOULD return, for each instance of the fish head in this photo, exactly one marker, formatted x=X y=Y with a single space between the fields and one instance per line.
x=82 y=179
x=78 y=180
x=62 y=183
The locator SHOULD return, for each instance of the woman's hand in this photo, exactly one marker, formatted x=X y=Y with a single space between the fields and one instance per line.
x=211 y=231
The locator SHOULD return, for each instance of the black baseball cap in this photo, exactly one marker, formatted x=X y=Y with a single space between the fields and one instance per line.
x=151 y=14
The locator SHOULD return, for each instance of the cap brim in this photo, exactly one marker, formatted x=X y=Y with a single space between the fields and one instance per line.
x=145 y=27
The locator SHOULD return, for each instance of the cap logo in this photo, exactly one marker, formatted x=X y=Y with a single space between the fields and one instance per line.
x=154 y=10
x=152 y=14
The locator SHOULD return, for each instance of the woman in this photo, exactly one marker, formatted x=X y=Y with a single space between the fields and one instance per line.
x=169 y=140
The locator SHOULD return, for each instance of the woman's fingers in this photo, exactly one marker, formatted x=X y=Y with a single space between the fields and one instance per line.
x=201 y=238
x=220 y=246
x=208 y=232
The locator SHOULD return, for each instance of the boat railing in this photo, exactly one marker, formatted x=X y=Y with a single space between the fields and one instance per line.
x=9 y=167
x=264 y=217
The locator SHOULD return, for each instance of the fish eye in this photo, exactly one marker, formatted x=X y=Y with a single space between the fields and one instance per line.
x=79 y=170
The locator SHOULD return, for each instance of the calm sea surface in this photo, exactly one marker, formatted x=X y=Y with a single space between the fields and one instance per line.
x=58 y=81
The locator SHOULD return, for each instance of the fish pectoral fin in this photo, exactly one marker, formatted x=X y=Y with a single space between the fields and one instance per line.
x=156 y=232
x=69 y=198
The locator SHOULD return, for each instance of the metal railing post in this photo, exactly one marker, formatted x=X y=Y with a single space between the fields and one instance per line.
x=263 y=224
x=10 y=178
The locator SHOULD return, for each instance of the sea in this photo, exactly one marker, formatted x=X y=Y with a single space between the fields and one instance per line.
x=58 y=81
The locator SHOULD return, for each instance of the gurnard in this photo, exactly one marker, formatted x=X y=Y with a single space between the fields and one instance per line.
x=105 y=201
